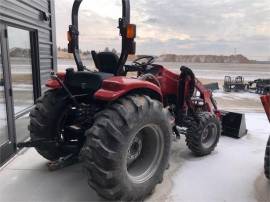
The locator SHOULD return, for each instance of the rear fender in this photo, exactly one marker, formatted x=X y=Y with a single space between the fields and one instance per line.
x=115 y=87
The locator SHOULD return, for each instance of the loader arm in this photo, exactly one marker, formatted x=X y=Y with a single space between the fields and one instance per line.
x=207 y=95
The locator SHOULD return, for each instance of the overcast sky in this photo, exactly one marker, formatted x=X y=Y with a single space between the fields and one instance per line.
x=175 y=26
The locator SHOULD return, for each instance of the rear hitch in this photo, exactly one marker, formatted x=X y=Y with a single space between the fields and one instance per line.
x=63 y=162
x=37 y=143
x=45 y=143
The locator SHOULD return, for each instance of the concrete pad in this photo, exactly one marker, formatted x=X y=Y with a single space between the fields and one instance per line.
x=30 y=160
x=27 y=159
x=29 y=185
x=27 y=178
x=234 y=172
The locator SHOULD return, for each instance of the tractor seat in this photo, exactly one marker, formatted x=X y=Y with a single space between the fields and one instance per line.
x=106 y=62
x=85 y=82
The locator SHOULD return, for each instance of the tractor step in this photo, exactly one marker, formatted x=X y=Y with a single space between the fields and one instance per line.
x=63 y=162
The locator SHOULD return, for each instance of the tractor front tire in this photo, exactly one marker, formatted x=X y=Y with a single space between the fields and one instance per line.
x=267 y=160
x=127 y=149
x=203 y=133
x=44 y=122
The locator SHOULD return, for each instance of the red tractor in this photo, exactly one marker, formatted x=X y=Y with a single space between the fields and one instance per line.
x=266 y=103
x=121 y=126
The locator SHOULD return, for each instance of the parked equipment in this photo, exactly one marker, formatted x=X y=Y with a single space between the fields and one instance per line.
x=259 y=86
x=234 y=84
x=266 y=103
x=121 y=126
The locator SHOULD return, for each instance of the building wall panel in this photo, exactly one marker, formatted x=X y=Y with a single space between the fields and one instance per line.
x=27 y=14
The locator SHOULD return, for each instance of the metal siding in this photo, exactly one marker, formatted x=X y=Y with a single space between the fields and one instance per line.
x=26 y=14
x=53 y=26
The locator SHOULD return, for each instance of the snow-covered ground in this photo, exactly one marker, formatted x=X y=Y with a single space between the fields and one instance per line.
x=236 y=96
x=243 y=102
x=233 y=173
x=230 y=174
x=217 y=71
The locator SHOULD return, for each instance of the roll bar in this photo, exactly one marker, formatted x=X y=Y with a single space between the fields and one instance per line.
x=128 y=44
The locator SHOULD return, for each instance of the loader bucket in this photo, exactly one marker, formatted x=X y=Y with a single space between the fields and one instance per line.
x=233 y=124
x=212 y=86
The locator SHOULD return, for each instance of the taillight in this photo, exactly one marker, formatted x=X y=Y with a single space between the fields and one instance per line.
x=61 y=75
x=53 y=83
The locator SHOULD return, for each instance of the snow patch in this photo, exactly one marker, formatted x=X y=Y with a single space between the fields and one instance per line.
x=230 y=172
x=236 y=96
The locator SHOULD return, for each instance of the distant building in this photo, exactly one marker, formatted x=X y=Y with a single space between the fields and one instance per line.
x=27 y=55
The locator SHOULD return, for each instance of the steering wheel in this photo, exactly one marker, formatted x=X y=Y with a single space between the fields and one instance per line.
x=139 y=66
x=150 y=60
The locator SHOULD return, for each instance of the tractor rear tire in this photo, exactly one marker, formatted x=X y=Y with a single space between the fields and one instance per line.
x=267 y=160
x=203 y=133
x=127 y=149
x=44 y=121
